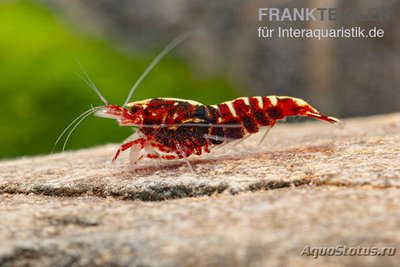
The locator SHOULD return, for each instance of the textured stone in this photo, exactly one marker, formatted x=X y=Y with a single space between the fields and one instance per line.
x=309 y=184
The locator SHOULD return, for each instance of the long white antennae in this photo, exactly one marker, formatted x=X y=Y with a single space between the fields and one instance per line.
x=90 y=83
x=166 y=50
x=76 y=125
x=70 y=125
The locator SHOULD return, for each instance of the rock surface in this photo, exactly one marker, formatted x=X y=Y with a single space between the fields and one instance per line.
x=310 y=184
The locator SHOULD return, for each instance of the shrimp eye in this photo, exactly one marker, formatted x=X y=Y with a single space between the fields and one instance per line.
x=135 y=109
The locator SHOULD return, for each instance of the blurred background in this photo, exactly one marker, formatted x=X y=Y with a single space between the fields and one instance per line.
x=115 y=41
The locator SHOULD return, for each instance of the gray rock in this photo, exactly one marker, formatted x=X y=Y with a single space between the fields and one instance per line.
x=310 y=184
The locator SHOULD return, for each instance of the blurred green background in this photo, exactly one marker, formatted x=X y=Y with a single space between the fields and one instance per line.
x=41 y=94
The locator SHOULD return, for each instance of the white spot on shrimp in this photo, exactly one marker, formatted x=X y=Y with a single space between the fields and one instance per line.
x=231 y=108
x=273 y=100
x=300 y=102
x=260 y=101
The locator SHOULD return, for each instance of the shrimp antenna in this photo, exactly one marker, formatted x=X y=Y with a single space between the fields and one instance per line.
x=82 y=118
x=91 y=110
x=89 y=82
x=166 y=50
